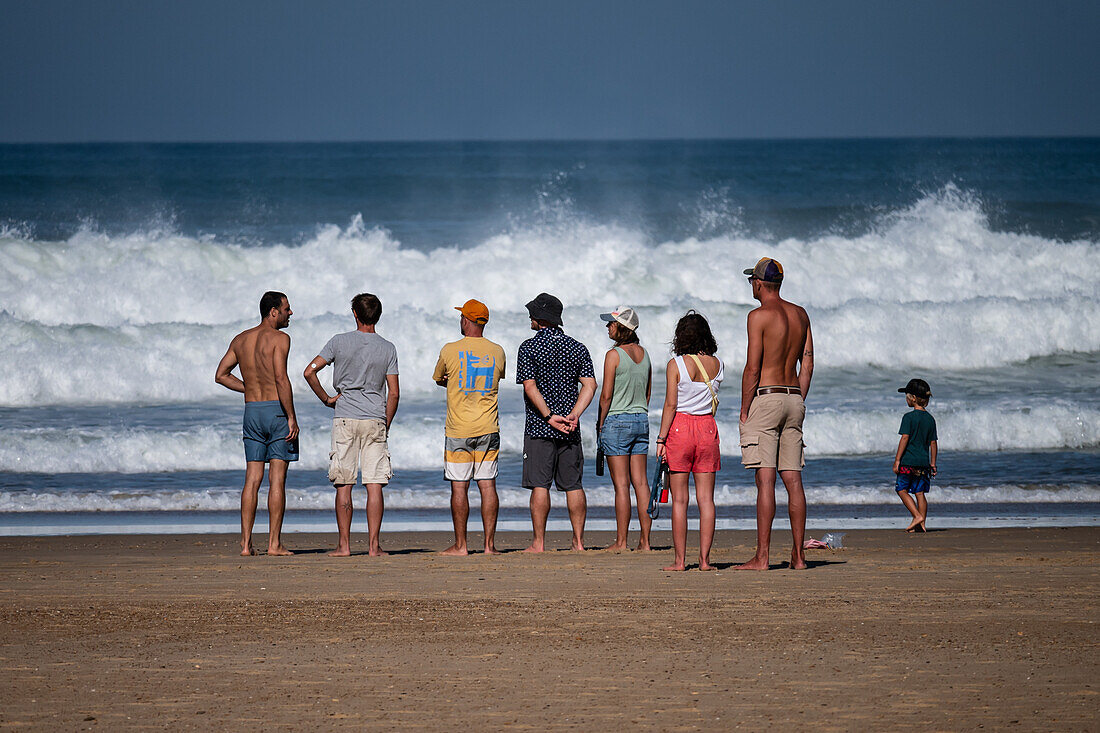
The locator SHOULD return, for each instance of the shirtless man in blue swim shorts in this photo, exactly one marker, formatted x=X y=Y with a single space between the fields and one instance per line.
x=270 y=427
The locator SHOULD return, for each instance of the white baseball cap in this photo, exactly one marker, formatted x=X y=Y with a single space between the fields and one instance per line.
x=624 y=315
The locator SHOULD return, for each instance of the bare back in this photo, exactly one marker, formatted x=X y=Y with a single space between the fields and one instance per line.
x=255 y=350
x=785 y=327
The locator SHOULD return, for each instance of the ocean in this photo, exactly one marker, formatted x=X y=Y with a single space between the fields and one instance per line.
x=126 y=269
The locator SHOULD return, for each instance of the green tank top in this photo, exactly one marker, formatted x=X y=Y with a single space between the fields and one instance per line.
x=631 y=381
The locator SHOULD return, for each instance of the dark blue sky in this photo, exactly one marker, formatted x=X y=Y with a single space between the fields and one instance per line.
x=243 y=70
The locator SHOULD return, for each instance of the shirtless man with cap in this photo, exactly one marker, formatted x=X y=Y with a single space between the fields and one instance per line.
x=774 y=385
x=270 y=427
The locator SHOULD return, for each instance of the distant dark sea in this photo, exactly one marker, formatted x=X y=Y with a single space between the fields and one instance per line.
x=126 y=269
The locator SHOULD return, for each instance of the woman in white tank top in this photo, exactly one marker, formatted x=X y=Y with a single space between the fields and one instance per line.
x=688 y=438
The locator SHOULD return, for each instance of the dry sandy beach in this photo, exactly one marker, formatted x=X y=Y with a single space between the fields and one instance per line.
x=952 y=630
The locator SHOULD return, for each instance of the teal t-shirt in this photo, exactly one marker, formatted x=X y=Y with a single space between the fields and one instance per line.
x=921 y=429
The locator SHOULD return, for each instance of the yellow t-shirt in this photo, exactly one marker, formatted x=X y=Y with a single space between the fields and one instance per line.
x=473 y=368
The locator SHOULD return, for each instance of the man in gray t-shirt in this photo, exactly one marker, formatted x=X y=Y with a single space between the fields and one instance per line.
x=367 y=392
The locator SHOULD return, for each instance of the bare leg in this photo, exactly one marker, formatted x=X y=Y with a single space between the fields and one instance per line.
x=540 y=509
x=489 y=506
x=619 y=466
x=796 y=509
x=376 y=507
x=678 y=482
x=460 y=514
x=253 y=477
x=639 y=476
x=704 y=498
x=344 y=512
x=911 y=505
x=922 y=507
x=276 y=504
x=765 y=513
x=577 y=504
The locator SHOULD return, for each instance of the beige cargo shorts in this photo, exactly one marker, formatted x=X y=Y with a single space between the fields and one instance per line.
x=355 y=444
x=771 y=437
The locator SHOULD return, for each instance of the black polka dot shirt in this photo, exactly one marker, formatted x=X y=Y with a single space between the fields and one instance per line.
x=556 y=362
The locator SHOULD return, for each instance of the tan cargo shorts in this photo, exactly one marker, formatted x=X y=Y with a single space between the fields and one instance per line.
x=772 y=435
x=358 y=443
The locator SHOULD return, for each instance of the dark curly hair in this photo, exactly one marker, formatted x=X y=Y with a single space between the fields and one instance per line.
x=693 y=336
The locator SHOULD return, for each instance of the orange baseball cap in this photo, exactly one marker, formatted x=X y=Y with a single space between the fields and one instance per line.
x=474 y=310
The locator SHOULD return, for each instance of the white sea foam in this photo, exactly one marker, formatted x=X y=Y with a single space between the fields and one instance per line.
x=144 y=318
x=416 y=442
x=320 y=498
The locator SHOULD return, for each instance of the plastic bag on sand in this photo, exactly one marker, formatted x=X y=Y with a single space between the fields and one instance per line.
x=832 y=541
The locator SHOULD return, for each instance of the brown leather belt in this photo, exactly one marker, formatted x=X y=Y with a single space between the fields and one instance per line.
x=778 y=390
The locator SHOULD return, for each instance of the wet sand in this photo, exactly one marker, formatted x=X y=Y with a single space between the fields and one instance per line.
x=949 y=630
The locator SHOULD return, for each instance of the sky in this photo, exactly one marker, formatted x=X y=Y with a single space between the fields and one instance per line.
x=202 y=70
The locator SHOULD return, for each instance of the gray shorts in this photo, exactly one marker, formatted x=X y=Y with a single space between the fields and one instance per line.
x=551 y=460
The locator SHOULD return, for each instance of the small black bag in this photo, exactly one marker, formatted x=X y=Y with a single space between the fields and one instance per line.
x=658 y=487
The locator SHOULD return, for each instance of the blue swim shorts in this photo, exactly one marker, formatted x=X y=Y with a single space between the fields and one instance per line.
x=625 y=434
x=265 y=429
x=913 y=480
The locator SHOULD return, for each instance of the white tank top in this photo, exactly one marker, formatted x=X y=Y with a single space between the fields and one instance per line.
x=694 y=397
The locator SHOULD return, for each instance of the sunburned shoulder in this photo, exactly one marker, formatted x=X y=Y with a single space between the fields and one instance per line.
x=763 y=313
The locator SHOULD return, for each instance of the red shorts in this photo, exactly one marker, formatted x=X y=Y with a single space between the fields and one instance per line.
x=692 y=444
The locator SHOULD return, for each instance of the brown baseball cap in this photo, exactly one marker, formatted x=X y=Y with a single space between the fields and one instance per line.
x=475 y=311
x=766 y=270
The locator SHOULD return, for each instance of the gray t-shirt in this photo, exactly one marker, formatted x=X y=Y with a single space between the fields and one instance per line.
x=360 y=362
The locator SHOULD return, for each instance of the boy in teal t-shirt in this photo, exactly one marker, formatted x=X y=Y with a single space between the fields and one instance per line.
x=915 y=461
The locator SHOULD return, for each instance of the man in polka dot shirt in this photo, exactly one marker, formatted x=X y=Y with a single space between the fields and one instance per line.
x=550 y=366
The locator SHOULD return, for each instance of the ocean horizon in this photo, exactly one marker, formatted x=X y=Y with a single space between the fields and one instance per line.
x=126 y=269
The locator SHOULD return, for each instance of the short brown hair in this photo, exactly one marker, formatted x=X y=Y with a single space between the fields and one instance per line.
x=922 y=401
x=271 y=299
x=367 y=308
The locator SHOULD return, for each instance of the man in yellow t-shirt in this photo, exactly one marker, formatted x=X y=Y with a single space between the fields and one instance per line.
x=471 y=370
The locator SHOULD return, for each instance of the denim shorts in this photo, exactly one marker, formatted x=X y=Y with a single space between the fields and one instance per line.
x=625 y=434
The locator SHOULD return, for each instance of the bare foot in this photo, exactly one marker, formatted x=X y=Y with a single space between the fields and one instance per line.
x=616 y=547
x=248 y=551
x=757 y=563
x=278 y=550
x=922 y=527
x=377 y=552
x=704 y=565
x=676 y=567
x=643 y=547
x=798 y=563
x=455 y=550
x=341 y=552
x=577 y=546
x=535 y=547
x=917 y=521
x=490 y=550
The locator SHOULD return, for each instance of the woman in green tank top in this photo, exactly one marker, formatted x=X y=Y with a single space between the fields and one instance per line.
x=623 y=421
